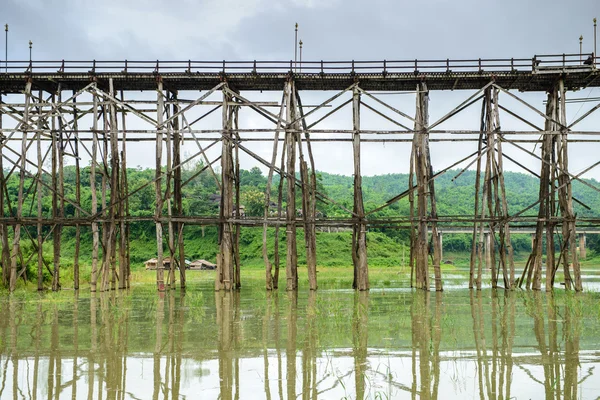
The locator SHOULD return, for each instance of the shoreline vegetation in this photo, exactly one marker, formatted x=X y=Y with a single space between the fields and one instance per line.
x=388 y=248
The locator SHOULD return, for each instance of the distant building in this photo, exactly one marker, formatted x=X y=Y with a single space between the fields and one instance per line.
x=202 y=265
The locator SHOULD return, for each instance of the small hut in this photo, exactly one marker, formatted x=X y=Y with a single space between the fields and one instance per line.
x=153 y=262
x=198 y=265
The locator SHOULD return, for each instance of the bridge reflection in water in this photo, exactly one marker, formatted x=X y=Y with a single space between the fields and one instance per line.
x=330 y=344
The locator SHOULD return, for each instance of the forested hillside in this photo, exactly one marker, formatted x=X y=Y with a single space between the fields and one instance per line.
x=200 y=197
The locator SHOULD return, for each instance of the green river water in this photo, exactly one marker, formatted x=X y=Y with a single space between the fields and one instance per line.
x=333 y=344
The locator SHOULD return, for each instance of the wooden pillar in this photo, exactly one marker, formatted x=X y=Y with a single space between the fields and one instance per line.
x=160 y=271
x=269 y=278
x=565 y=199
x=58 y=150
x=555 y=181
x=77 y=195
x=168 y=196
x=291 y=264
x=582 y=250
x=93 y=163
x=177 y=194
x=426 y=202
x=441 y=239
x=40 y=239
x=22 y=165
x=124 y=271
x=359 y=233
x=488 y=250
x=308 y=185
x=5 y=255
x=225 y=258
x=113 y=207
x=237 y=284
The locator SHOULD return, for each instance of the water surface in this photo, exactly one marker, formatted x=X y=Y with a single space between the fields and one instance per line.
x=332 y=344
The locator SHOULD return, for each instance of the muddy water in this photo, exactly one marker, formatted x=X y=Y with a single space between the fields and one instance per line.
x=332 y=344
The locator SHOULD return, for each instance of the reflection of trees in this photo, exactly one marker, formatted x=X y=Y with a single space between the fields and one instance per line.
x=555 y=385
x=426 y=335
x=494 y=365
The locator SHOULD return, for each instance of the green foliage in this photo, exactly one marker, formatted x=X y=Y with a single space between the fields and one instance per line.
x=200 y=197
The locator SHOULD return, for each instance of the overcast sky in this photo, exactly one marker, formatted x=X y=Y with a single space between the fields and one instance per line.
x=330 y=30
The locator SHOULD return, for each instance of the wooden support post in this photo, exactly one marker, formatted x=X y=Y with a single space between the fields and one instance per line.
x=225 y=258
x=269 y=279
x=476 y=242
x=106 y=254
x=237 y=284
x=489 y=249
x=308 y=208
x=160 y=109
x=17 y=229
x=582 y=242
x=493 y=202
x=308 y=196
x=124 y=272
x=359 y=233
x=565 y=198
x=58 y=190
x=441 y=239
x=40 y=239
x=177 y=194
x=77 y=195
x=5 y=255
x=426 y=203
x=93 y=163
x=291 y=264
x=109 y=268
x=168 y=197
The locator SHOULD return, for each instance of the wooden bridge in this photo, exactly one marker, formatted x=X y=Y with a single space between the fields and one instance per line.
x=68 y=111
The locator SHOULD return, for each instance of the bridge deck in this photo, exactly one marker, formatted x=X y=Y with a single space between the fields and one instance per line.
x=536 y=74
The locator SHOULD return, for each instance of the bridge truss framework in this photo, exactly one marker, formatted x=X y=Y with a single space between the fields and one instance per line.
x=45 y=105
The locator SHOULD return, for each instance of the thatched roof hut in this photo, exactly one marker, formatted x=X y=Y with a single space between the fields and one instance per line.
x=152 y=263
x=202 y=265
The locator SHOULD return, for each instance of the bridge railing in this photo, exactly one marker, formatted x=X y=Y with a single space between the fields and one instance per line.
x=539 y=64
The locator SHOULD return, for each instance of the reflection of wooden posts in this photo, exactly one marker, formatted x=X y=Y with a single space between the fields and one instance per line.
x=266 y=325
x=551 y=352
x=359 y=233
x=582 y=243
x=309 y=353
x=360 y=340
x=421 y=341
x=93 y=342
x=495 y=371
x=75 y=370
x=572 y=332
x=276 y=324
x=160 y=316
x=290 y=349
x=225 y=323
x=479 y=334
